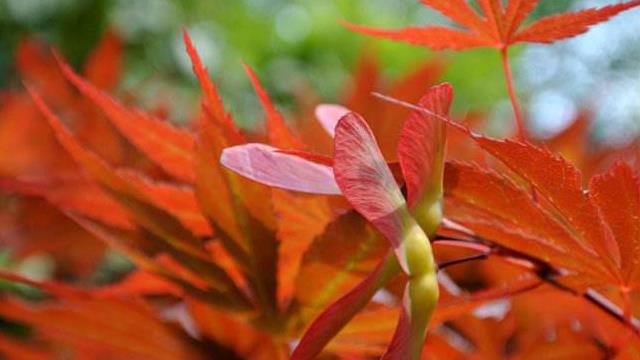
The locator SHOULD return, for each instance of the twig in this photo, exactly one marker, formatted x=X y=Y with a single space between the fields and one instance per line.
x=462 y=260
x=549 y=275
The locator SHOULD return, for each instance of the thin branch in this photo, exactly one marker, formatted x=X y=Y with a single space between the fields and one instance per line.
x=548 y=274
x=612 y=309
x=446 y=264
x=411 y=106
x=525 y=286
x=471 y=244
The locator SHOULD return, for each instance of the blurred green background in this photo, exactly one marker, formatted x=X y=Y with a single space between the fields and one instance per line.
x=294 y=42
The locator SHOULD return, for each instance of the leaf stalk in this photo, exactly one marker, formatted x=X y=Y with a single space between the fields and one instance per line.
x=513 y=97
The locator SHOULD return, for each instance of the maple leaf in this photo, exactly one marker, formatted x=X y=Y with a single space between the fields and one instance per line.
x=76 y=252
x=84 y=324
x=590 y=235
x=176 y=156
x=169 y=147
x=211 y=102
x=496 y=26
x=39 y=167
x=522 y=330
x=103 y=67
x=21 y=125
x=180 y=241
x=489 y=338
x=337 y=265
x=87 y=325
x=277 y=131
x=232 y=331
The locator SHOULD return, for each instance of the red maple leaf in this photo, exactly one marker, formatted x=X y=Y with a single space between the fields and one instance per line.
x=590 y=236
x=496 y=26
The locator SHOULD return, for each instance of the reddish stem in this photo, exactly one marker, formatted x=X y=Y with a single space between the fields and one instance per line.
x=628 y=305
x=547 y=274
x=462 y=260
x=506 y=67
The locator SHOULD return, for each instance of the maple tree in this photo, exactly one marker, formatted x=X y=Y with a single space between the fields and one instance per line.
x=355 y=236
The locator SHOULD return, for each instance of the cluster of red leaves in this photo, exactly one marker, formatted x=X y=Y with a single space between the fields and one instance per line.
x=212 y=251
x=226 y=267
